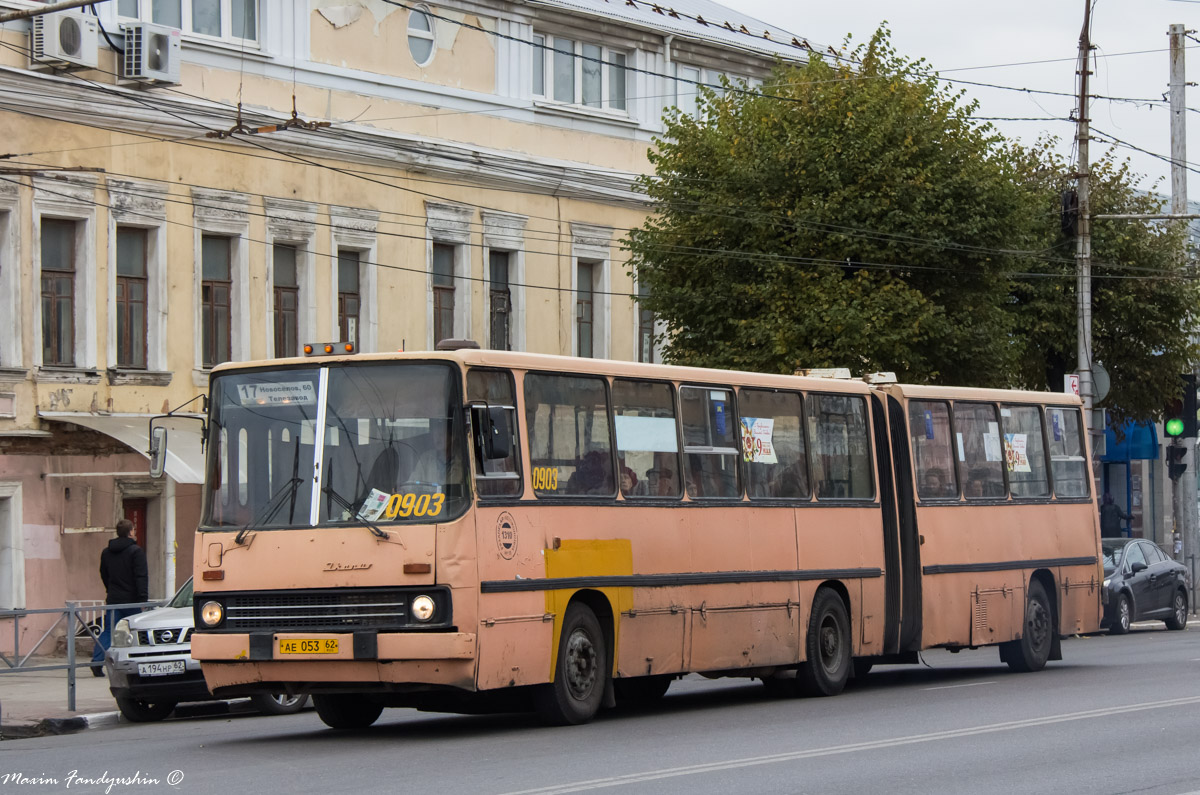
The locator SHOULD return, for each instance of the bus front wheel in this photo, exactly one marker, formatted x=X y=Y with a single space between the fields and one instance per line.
x=580 y=674
x=1031 y=652
x=347 y=711
x=828 y=645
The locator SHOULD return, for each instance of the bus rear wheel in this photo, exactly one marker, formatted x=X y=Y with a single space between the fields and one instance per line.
x=347 y=711
x=580 y=674
x=828 y=645
x=1031 y=652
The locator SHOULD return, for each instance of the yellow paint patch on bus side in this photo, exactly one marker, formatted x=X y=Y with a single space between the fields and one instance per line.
x=588 y=558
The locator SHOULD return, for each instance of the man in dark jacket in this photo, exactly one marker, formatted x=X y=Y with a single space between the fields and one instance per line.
x=1111 y=515
x=126 y=579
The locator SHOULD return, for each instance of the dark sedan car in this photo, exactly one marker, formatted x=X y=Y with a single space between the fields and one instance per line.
x=1140 y=583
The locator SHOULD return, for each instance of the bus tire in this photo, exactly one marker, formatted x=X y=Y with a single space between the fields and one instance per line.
x=346 y=711
x=581 y=673
x=828 y=645
x=1031 y=652
x=642 y=691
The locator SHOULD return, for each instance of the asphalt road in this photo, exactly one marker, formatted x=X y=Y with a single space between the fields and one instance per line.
x=1118 y=714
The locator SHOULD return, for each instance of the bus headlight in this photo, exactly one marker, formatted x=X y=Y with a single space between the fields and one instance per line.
x=121 y=636
x=212 y=613
x=422 y=608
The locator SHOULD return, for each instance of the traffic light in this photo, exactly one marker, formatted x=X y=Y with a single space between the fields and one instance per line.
x=1175 y=464
x=1179 y=419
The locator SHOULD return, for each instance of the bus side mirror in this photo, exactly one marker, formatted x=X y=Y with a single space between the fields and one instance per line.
x=493 y=430
x=158 y=451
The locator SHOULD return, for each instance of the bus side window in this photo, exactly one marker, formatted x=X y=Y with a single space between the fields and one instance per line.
x=1025 y=451
x=566 y=420
x=647 y=439
x=979 y=451
x=839 y=447
x=710 y=442
x=1067 y=463
x=500 y=477
x=773 y=449
x=929 y=432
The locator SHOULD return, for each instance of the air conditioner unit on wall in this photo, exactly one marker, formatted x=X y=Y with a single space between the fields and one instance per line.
x=64 y=40
x=151 y=53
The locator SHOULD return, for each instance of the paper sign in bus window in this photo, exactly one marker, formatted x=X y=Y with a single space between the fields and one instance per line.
x=991 y=443
x=928 y=424
x=286 y=393
x=373 y=506
x=757 y=446
x=649 y=434
x=1015 y=448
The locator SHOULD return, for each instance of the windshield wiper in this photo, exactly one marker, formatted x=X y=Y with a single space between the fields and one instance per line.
x=342 y=501
x=292 y=488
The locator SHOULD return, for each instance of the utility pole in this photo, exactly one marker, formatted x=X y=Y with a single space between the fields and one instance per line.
x=1186 y=519
x=1083 y=249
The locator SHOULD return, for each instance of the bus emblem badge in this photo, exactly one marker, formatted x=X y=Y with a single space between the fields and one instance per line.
x=506 y=535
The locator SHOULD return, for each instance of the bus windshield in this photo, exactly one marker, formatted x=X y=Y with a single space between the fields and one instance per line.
x=393 y=447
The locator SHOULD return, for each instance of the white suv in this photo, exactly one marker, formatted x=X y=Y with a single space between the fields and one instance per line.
x=150 y=667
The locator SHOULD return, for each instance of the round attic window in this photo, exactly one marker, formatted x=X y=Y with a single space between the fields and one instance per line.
x=420 y=36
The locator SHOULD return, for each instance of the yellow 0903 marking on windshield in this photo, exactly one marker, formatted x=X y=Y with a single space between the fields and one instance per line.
x=402 y=506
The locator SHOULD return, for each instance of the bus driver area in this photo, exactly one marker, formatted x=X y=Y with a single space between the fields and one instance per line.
x=455 y=529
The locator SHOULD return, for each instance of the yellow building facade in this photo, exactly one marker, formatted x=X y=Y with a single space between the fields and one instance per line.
x=198 y=181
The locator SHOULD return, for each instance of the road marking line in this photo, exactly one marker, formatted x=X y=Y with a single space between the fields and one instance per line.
x=951 y=687
x=792 y=756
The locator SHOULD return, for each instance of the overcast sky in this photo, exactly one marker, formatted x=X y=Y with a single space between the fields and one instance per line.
x=973 y=41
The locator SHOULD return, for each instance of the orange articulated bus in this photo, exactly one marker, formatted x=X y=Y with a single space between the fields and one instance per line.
x=465 y=530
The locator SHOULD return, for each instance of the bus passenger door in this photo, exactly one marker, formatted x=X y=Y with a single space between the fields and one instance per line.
x=891 y=529
x=909 y=537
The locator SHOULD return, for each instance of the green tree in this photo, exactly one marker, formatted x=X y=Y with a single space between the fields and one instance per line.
x=1145 y=297
x=819 y=222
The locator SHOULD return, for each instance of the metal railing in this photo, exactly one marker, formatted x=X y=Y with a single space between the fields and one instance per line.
x=82 y=620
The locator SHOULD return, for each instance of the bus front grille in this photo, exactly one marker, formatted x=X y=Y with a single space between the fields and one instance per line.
x=321 y=610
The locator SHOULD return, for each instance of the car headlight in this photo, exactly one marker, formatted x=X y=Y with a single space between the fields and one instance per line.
x=121 y=636
x=423 y=608
x=212 y=613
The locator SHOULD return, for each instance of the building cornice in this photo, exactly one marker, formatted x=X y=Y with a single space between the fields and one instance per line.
x=167 y=116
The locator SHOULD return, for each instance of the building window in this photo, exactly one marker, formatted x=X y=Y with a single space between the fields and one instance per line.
x=420 y=36
x=443 y=292
x=584 y=309
x=500 y=301
x=131 y=298
x=580 y=73
x=58 y=292
x=287 y=301
x=645 y=329
x=219 y=19
x=348 y=295
x=689 y=79
x=215 y=288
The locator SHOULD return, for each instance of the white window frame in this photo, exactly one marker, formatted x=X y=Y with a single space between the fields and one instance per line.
x=292 y=223
x=71 y=199
x=224 y=213
x=430 y=35
x=710 y=78
x=145 y=14
x=10 y=277
x=449 y=224
x=659 y=328
x=12 y=548
x=506 y=232
x=593 y=244
x=547 y=51
x=140 y=204
x=356 y=230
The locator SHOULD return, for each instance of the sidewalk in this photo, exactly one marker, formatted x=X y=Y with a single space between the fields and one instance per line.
x=35 y=702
